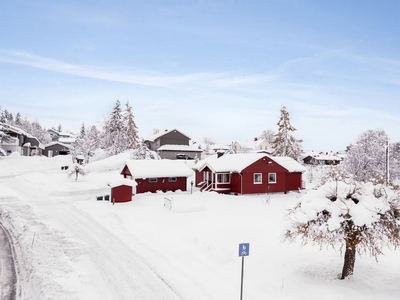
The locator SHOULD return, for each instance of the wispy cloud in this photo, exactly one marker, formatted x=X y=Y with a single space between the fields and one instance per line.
x=139 y=77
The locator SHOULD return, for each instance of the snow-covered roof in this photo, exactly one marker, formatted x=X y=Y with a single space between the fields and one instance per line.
x=327 y=157
x=233 y=162
x=66 y=140
x=289 y=164
x=179 y=148
x=200 y=164
x=157 y=168
x=219 y=147
x=153 y=137
x=57 y=143
x=238 y=162
x=123 y=181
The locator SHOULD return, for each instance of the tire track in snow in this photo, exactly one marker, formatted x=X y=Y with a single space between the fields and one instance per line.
x=114 y=268
x=8 y=275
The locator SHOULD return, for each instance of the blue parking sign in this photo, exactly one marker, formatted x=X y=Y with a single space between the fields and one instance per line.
x=244 y=249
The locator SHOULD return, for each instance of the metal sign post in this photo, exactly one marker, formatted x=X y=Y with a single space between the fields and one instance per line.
x=243 y=251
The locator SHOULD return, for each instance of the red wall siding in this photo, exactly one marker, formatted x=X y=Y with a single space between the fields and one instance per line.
x=199 y=177
x=236 y=183
x=162 y=184
x=122 y=193
x=264 y=166
x=293 y=181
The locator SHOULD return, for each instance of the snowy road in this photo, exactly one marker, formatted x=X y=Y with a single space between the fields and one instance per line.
x=8 y=278
x=107 y=268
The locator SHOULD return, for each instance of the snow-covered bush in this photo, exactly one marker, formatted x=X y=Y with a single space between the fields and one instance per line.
x=350 y=215
x=76 y=169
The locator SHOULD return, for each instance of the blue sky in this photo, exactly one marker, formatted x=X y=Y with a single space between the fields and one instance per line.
x=221 y=69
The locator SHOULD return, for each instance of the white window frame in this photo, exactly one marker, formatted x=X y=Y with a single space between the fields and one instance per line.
x=223 y=176
x=254 y=178
x=269 y=178
x=153 y=180
x=172 y=179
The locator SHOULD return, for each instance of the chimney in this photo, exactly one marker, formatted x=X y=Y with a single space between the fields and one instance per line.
x=255 y=139
x=220 y=153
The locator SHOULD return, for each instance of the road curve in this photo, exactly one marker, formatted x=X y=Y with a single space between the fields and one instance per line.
x=8 y=276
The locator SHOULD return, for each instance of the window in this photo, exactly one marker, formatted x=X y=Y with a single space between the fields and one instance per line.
x=257 y=178
x=272 y=178
x=224 y=178
x=153 y=180
x=172 y=179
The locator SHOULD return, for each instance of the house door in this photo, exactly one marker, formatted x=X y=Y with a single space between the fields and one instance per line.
x=50 y=153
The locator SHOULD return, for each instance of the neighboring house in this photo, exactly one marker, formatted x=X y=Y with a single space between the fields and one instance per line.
x=67 y=138
x=257 y=145
x=21 y=142
x=171 y=151
x=56 y=148
x=157 y=175
x=54 y=134
x=32 y=146
x=321 y=158
x=173 y=138
x=253 y=173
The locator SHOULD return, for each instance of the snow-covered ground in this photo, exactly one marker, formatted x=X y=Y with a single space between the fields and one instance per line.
x=71 y=246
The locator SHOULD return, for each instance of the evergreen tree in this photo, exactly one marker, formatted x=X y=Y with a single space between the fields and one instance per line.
x=59 y=128
x=4 y=136
x=143 y=152
x=284 y=143
x=18 y=121
x=83 y=133
x=86 y=144
x=115 y=139
x=130 y=126
x=3 y=118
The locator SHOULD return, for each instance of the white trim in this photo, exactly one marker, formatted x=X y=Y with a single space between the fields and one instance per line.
x=254 y=178
x=269 y=174
x=229 y=177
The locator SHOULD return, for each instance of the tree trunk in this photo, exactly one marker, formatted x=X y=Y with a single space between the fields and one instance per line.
x=349 y=259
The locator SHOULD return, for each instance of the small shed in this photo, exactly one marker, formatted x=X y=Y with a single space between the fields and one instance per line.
x=122 y=190
x=157 y=175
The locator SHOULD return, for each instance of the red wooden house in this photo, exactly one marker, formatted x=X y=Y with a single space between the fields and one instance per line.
x=255 y=173
x=157 y=175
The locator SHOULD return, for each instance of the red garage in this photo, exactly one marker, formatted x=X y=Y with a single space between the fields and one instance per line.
x=255 y=173
x=157 y=175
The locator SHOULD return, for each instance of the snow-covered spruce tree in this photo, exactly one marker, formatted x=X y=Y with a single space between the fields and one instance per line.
x=83 y=131
x=143 y=152
x=355 y=216
x=4 y=136
x=85 y=144
x=18 y=121
x=130 y=127
x=366 y=158
x=284 y=144
x=3 y=117
x=114 y=137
